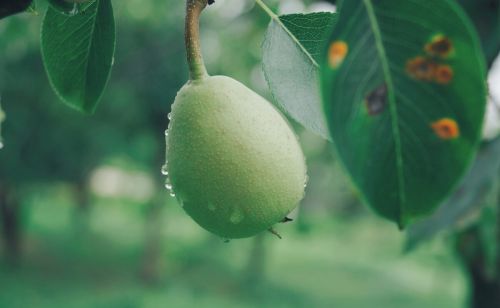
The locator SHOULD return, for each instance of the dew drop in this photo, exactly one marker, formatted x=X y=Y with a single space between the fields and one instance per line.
x=306 y=181
x=170 y=188
x=169 y=116
x=168 y=185
x=237 y=216
x=1 y=144
x=166 y=138
x=164 y=170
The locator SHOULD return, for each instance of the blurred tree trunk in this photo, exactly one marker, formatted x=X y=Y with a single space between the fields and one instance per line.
x=152 y=262
x=484 y=286
x=82 y=211
x=82 y=196
x=485 y=291
x=482 y=265
x=257 y=262
x=9 y=212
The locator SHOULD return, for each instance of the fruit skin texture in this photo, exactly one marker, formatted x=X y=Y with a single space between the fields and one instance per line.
x=233 y=160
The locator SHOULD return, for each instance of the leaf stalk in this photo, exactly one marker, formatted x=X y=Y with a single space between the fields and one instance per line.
x=266 y=8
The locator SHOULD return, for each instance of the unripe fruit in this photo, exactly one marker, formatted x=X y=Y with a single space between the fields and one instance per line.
x=233 y=161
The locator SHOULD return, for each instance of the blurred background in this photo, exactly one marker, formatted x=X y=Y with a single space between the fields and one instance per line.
x=86 y=221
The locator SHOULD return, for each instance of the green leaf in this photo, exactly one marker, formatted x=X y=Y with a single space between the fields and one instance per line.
x=291 y=53
x=485 y=15
x=404 y=93
x=310 y=30
x=78 y=53
x=11 y=7
x=469 y=196
x=69 y=8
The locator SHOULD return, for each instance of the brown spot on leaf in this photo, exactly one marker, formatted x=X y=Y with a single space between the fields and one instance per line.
x=439 y=46
x=336 y=53
x=443 y=74
x=376 y=100
x=446 y=128
x=421 y=68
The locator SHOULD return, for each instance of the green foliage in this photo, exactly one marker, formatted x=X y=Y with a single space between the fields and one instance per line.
x=310 y=30
x=297 y=39
x=11 y=7
x=404 y=94
x=467 y=198
x=99 y=267
x=47 y=142
x=78 y=53
x=68 y=8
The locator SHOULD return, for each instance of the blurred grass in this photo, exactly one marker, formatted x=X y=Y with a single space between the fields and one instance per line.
x=97 y=260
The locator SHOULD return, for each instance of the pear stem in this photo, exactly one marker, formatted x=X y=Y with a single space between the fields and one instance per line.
x=197 y=69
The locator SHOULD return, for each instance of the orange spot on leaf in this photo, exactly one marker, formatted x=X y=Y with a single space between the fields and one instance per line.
x=446 y=129
x=421 y=68
x=443 y=74
x=336 y=53
x=439 y=46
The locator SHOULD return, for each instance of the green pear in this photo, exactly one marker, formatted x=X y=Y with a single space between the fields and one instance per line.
x=233 y=160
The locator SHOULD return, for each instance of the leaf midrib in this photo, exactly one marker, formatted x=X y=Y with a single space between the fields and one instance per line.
x=392 y=107
x=274 y=17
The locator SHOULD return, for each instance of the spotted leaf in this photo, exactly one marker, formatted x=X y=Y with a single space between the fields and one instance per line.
x=405 y=103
